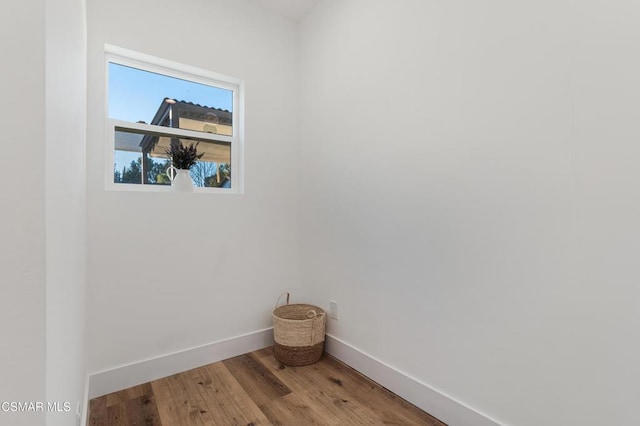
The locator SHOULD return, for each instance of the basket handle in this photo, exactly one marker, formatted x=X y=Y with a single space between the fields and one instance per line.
x=280 y=297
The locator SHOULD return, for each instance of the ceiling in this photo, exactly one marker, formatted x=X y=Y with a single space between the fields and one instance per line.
x=292 y=9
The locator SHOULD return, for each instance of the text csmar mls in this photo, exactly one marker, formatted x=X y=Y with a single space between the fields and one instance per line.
x=34 y=406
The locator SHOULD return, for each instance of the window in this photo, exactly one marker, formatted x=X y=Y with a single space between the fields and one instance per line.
x=153 y=103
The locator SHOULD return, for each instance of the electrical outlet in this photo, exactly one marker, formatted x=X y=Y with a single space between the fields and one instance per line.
x=333 y=309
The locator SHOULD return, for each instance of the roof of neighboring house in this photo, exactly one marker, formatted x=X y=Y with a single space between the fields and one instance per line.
x=192 y=111
x=184 y=109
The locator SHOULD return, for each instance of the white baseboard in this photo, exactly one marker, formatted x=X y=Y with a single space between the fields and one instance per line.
x=125 y=376
x=436 y=403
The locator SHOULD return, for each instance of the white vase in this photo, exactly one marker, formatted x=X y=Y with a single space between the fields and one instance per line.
x=182 y=181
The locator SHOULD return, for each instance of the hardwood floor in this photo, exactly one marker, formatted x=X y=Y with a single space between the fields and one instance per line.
x=255 y=389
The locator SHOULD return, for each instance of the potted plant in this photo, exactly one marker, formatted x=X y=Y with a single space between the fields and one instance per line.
x=182 y=158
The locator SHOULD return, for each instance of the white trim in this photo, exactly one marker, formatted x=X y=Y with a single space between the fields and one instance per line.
x=237 y=148
x=167 y=131
x=433 y=401
x=125 y=376
x=135 y=59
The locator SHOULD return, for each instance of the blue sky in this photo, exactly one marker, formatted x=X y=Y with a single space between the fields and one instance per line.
x=136 y=95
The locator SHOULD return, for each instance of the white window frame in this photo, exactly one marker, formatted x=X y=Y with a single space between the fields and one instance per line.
x=121 y=56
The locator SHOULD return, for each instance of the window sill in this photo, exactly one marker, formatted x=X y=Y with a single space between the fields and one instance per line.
x=120 y=187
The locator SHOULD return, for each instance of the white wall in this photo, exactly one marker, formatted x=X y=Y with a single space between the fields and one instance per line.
x=22 y=251
x=66 y=208
x=172 y=271
x=470 y=197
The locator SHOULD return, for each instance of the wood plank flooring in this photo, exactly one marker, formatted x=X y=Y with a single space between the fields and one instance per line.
x=255 y=389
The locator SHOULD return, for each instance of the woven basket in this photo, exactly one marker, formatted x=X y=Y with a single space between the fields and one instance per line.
x=298 y=331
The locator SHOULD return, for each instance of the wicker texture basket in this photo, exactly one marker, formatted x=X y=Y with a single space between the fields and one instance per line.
x=298 y=331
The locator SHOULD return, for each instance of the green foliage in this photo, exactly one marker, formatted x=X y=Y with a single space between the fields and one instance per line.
x=117 y=176
x=133 y=174
x=163 y=179
x=155 y=172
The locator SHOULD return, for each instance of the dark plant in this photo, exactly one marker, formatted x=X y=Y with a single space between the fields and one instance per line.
x=183 y=157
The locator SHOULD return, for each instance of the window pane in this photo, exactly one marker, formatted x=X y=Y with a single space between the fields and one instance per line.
x=142 y=96
x=141 y=157
x=131 y=166
x=211 y=175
